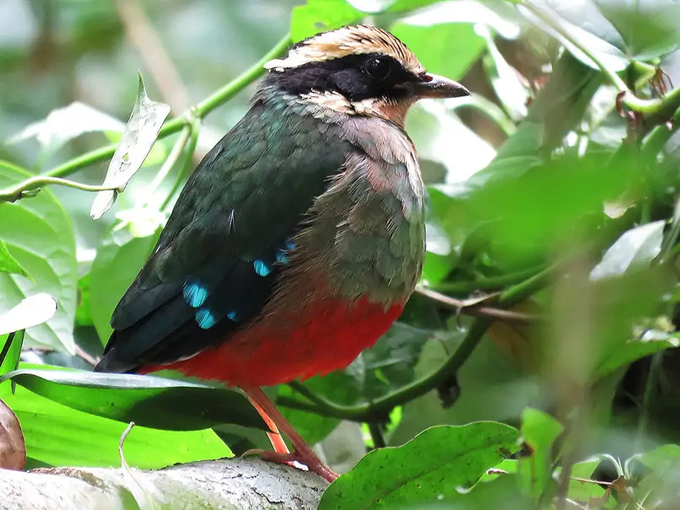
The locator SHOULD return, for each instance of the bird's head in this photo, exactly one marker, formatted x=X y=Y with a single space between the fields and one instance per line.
x=358 y=70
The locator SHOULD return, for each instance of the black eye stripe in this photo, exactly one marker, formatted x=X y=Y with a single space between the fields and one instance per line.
x=357 y=77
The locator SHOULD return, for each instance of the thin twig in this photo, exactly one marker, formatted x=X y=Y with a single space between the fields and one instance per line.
x=475 y=309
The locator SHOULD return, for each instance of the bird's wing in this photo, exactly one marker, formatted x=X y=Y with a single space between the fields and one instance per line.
x=217 y=260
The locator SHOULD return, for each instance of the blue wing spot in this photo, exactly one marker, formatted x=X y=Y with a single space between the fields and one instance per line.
x=290 y=244
x=261 y=267
x=205 y=318
x=232 y=316
x=194 y=294
x=282 y=257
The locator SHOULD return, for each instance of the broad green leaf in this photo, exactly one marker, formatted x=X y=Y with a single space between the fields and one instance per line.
x=8 y=264
x=139 y=137
x=148 y=401
x=539 y=432
x=428 y=469
x=10 y=351
x=59 y=436
x=39 y=235
x=649 y=28
x=118 y=260
x=662 y=458
x=64 y=124
x=635 y=249
x=578 y=24
x=31 y=312
x=448 y=49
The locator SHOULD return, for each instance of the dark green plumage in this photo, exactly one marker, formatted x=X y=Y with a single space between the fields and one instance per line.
x=248 y=196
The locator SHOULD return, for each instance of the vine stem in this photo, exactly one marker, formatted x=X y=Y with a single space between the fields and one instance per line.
x=30 y=187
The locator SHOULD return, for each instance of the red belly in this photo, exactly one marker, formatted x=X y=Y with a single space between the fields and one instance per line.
x=324 y=337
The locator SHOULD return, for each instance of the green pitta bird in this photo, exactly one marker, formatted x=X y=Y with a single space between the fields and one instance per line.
x=300 y=236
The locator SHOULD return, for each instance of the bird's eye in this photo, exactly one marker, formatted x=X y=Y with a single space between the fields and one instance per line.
x=378 y=68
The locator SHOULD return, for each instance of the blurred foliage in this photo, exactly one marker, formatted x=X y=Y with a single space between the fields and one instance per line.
x=553 y=231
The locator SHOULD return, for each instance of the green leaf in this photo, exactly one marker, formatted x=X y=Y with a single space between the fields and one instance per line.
x=579 y=24
x=649 y=28
x=39 y=235
x=434 y=46
x=662 y=458
x=119 y=259
x=59 y=436
x=322 y=15
x=652 y=341
x=430 y=468
x=539 y=431
x=64 y=124
x=10 y=351
x=148 y=401
x=8 y=264
x=581 y=490
x=31 y=312
x=635 y=249
x=139 y=137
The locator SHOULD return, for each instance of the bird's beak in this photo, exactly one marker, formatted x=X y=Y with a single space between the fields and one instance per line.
x=438 y=87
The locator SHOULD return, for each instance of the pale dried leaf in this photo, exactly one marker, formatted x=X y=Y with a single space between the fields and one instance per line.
x=139 y=137
x=12 y=444
x=29 y=312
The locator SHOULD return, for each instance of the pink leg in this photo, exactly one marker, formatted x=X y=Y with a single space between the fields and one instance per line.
x=302 y=452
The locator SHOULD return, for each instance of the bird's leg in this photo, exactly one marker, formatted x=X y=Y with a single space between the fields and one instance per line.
x=274 y=436
x=302 y=452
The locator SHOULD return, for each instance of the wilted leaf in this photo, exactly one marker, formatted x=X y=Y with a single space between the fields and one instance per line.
x=635 y=249
x=30 y=312
x=428 y=469
x=8 y=264
x=539 y=432
x=64 y=124
x=139 y=137
x=12 y=445
x=40 y=236
x=148 y=401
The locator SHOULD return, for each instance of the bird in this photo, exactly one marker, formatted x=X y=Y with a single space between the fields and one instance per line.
x=299 y=237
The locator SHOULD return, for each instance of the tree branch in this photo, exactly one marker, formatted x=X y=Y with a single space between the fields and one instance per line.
x=476 y=309
x=231 y=484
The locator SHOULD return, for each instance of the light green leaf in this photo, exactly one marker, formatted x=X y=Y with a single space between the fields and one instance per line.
x=8 y=264
x=64 y=124
x=139 y=137
x=539 y=431
x=118 y=260
x=635 y=249
x=40 y=237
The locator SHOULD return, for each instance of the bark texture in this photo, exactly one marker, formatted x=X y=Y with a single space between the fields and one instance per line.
x=228 y=484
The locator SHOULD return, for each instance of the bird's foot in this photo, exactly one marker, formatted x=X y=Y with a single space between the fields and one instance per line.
x=305 y=457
